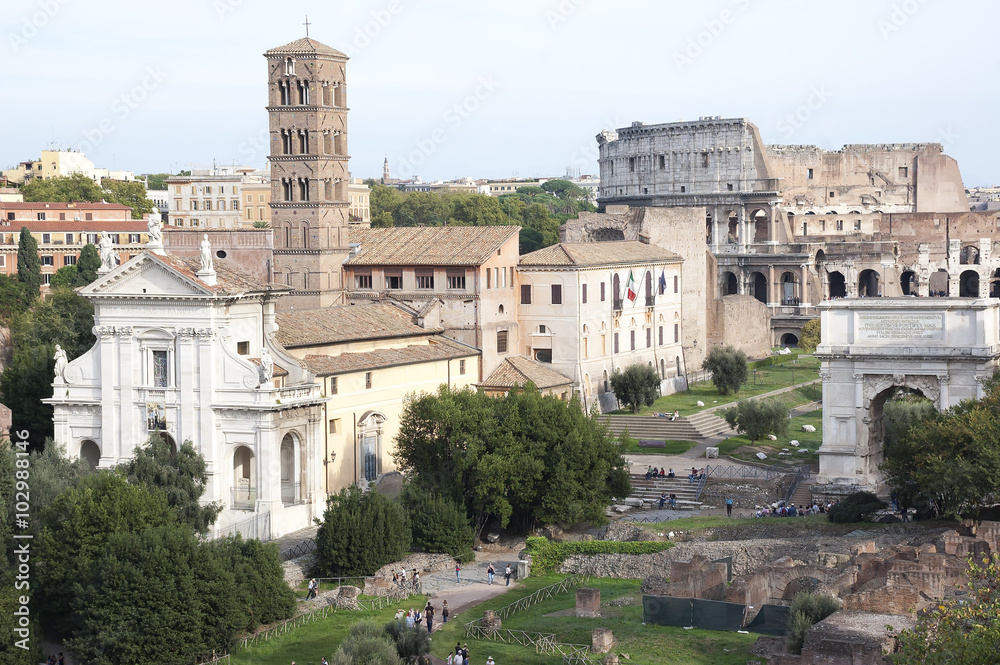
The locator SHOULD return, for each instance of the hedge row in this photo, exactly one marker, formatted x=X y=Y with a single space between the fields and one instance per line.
x=773 y=360
x=547 y=555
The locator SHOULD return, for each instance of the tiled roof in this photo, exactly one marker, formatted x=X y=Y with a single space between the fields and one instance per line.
x=429 y=245
x=304 y=46
x=584 y=254
x=438 y=348
x=70 y=226
x=332 y=325
x=42 y=206
x=229 y=279
x=518 y=370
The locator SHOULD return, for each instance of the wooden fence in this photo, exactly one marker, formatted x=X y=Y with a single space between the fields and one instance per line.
x=544 y=593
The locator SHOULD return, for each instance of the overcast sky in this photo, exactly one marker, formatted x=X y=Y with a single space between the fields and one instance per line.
x=449 y=89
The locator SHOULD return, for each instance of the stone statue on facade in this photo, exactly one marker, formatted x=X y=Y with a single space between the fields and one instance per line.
x=61 y=362
x=207 y=265
x=154 y=229
x=267 y=365
x=107 y=251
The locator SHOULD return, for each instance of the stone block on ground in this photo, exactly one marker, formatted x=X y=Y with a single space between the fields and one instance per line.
x=602 y=640
x=712 y=452
x=588 y=603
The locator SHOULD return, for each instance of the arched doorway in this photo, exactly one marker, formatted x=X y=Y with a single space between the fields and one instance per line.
x=370 y=443
x=758 y=287
x=244 y=492
x=820 y=259
x=90 y=453
x=733 y=227
x=939 y=284
x=968 y=284
x=730 y=285
x=288 y=455
x=708 y=229
x=604 y=382
x=869 y=284
x=838 y=285
x=761 y=225
x=807 y=584
x=789 y=289
x=969 y=255
x=789 y=340
x=995 y=285
x=908 y=283
x=877 y=392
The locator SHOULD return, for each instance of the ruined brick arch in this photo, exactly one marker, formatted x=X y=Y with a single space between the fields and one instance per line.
x=968 y=284
x=761 y=220
x=908 y=282
x=758 y=287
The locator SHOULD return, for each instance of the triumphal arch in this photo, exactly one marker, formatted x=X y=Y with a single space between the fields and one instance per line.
x=943 y=348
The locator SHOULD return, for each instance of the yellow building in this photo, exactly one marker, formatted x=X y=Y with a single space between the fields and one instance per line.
x=368 y=358
x=256 y=203
x=61 y=164
x=361 y=209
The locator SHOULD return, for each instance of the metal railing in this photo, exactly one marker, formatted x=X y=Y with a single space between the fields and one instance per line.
x=744 y=472
x=303 y=548
x=802 y=473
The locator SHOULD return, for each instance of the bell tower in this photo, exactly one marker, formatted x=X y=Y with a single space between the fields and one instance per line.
x=307 y=117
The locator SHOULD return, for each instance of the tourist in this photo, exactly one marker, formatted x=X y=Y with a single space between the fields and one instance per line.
x=416 y=576
x=465 y=652
x=489 y=661
x=490 y=572
x=649 y=472
x=418 y=619
x=729 y=506
x=444 y=611
x=429 y=616
x=507 y=574
x=673 y=501
x=458 y=658
x=663 y=472
x=656 y=472
x=677 y=415
x=451 y=659
x=670 y=473
x=399 y=615
x=663 y=499
x=395 y=578
x=312 y=589
x=458 y=572
x=410 y=619
x=323 y=661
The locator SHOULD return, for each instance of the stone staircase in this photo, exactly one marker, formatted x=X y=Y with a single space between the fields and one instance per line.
x=688 y=428
x=647 y=492
x=803 y=492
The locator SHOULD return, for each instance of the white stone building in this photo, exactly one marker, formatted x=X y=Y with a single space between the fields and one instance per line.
x=580 y=312
x=188 y=353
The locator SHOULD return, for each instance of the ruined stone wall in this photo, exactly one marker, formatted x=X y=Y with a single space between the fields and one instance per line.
x=743 y=322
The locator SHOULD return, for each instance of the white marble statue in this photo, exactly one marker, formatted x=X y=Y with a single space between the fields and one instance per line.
x=267 y=365
x=61 y=362
x=107 y=252
x=155 y=228
x=207 y=265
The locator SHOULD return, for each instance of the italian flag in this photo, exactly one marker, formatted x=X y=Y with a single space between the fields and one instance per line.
x=630 y=291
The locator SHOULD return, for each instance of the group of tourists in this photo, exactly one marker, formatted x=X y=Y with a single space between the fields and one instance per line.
x=399 y=578
x=654 y=472
x=672 y=499
x=696 y=475
x=672 y=416
x=461 y=655
x=783 y=509
x=422 y=618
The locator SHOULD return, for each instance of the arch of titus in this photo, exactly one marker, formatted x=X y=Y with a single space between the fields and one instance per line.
x=942 y=347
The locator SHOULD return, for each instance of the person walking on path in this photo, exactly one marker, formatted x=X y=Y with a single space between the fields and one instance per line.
x=729 y=506
x=312 y=589
x=458 y=572
x=506 y=574
x=490 y=572
x=444 y=611
x=429 y=616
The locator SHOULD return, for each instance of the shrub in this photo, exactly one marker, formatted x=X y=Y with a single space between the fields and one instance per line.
x=857 y=507
x=361 y=532
x=369 y=644
x=758 y=417
x=807 y=608
x=412 y=644
x=638 y=385
x=547 y=556
x=810 y=336
x=438 y=524
x=728 y=366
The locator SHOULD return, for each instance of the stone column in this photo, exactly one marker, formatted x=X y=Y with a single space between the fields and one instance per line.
x=803 y=289
x=772 y=288
x=588 y=603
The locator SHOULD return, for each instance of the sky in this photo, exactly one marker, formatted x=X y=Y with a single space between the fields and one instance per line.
x=490 y=89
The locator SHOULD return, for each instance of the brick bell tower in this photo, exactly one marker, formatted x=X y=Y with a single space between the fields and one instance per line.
x=307 y=114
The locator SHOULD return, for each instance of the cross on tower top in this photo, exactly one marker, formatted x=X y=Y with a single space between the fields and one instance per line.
x=307 y=24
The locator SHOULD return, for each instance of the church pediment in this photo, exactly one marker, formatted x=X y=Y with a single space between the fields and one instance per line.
x=146 y=276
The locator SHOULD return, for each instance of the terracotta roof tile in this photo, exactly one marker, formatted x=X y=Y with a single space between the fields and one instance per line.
x=438 y=348
x=70 y=226
x=79 y=205
x=305 y=46
x=332 y=325
x=518 y=370
x=429 y=245
x=230 y=280
x=585 y=254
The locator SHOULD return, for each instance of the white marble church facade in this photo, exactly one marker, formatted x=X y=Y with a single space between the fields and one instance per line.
x=188 y=353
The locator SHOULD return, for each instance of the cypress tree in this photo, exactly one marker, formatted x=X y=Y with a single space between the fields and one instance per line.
x=29 y=265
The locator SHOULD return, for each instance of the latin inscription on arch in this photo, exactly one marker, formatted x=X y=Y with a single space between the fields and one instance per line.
x=889 y=326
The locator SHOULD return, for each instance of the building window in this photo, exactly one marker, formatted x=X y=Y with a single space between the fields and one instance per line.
x=243 y=348
x=333 y=385
x=903 y=172
x=10 y=216
x=729 y=187
x=857 y=225
x=631 y=164
x=501 y=341
x=368 y=380
x=489 y=278
x=649 y=337
x=363 y=281
x=461 y=367
x=809 y=174
x=69 y=238
x=208 y=205
x=62 y=217
x=89 y=217
x=41 y=216
x=676 y=283
x=602 y=291
x=583 y=294
x=134 y=238
x=46 y=238
x=69 y=260
x=677 y=332
x=425 y=281
x=46 y=278
x=456 y=281
x=159 y=369
x=631 y=335
x=833 y=194
x=557 y=294
x=704 y=159
x=663 y=162
x=616 y=343
x=526 y=294
x=683 y=189
x=840 y=225
x=661 y=336
x=334 y=426
x=394 y=282
x=47 y=260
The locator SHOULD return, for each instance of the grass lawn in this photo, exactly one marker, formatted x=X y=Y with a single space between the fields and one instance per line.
x=776 y=377
x=671 y=448
x=307 y=644
x=810 y=440
x=645 y=644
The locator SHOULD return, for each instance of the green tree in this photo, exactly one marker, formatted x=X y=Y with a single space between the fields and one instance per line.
x=367 y=644
x=477 y=210
x=523 y=457
x=25 y=382
x=806 y=610
x=959 y=632
x=63 y=189
x=261 y=592
x=438 y=524
x=856 y=507
x=423 y=209
x=758 y=417
x=180 y=476
x=63 y=317
x=564 y=189
x=412 y=644
x=14 y=298
x=810 y=338
x=64 y=277
x=636 y=386
x=156 y=180
x=361 y=532
x=87 y=265
x=29 y=265
x=131 y=194
x=729 y=369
